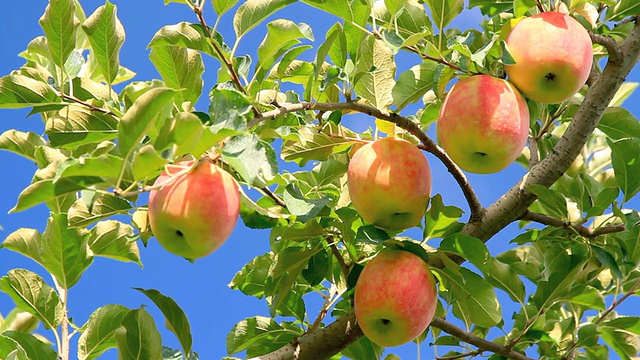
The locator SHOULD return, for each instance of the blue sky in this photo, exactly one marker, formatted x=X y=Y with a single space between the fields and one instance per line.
x=200 y=288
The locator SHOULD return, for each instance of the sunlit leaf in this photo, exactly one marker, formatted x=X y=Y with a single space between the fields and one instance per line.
x=106 y=35
x=98 y=334
x=138 y=338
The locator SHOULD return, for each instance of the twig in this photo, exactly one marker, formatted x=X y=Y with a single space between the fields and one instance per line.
x=539 y=5
x=272 y=195
x=86 y=104
x=626 y=21
x=227 y=62
x=460 y=356
x=579 y=229
x=615 y=54
x=338 y=256
x=477 y=341
x=323 y=310
x=427 y=144
x=617 y=302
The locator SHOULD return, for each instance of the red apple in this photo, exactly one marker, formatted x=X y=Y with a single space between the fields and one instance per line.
x=395 y=298
x=553 y=54
x=390 y=183
x=483 y=124
x=193 y=212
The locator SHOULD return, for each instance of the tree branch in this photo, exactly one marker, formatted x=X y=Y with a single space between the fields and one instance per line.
x=617 y=302
x=403 y=122
x=610 y=44
x=512 y=205
x=579 y=229
x=479 y=342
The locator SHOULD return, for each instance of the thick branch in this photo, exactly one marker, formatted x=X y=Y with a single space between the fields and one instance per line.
x=512 y=205
x=479 y=342
x=610 y=44
x=403 y=122
x=322 y=343
x=579 y=229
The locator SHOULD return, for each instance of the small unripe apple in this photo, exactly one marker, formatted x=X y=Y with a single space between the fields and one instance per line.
x=193 y=212
x=553 y=54
x=390 y=183
x=395 y=298
x=483 y=124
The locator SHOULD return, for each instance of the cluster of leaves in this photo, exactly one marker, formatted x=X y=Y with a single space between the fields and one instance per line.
x=101 y=148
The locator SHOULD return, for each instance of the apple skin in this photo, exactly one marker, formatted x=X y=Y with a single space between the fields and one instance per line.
x=483 y=124
x=390 y=183
x=195 y=213
x=553 y=54
x=395 y=298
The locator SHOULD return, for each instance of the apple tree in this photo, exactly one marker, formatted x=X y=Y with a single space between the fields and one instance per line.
x=285 y=120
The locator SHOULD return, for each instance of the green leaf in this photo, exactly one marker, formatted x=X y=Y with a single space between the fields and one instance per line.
x=65 y=252
x=19 y=91
x=21 y=143
x=371 y=234
x=106 y=36
x=317 y=269
x=491 y=7
x=468 y=247
x=260 y=335
x=138 y=338
x=304 y=208
x=33 y=347
x=253 y=12
x=230 y=111
x=413 y=84
x=181 y=69
x=115 y=240
x=520 y=7
x=589 y=298
x=184 y=34
x=377 y=69
x=626 y=89
x=607 y=260
x=27 y=242
x=10 y=349
x=627 y=323
x=441 y=220
x=253 y=276
x=255 y=216
x=60 y=25
x=281 y=35
x=289 y=264
x=31 y=294
x=75 y=125
x=474 y=298
x=98 y=334
x=47 y=190
x=622 y=9
x=312 y=145
x=106 y=165
x=87 y=211
x=363 y=349
x=551 y=200
x=176 y=320
x=222 y=6
x=254 y=159
x=505 y=278
x=444 y=11
x=147 y=112
x=623 y=343
x=625 y=167
x=618 y=123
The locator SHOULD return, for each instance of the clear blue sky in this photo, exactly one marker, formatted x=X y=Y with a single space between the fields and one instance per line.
x=200 y=288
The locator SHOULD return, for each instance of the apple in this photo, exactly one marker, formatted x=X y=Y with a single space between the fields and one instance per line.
x=193 y=211
x=483 y=124
x=553 y=54
x=390 y=183
x=395 y=298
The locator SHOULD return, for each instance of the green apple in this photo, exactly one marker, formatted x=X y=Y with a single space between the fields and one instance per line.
x=390 y=183
x=395 y=298
x=483 y=124
x=193 y=211
x=553 y=54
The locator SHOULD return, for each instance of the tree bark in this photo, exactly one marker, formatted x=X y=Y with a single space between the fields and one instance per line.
x=330 y=340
